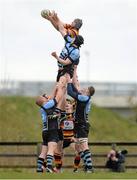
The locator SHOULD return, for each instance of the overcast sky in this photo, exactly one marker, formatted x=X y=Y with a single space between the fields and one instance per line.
x=109 y=29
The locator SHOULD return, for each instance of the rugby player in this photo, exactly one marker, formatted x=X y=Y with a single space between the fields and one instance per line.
x=67 y=124
x=50 y=115
x=83 y=99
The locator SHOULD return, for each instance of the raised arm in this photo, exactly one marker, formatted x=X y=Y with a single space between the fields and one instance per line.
x=75 y=80
x=62 y=61
x=71 y=91
x=54 y=92
x=62 y=28
x=53 y=18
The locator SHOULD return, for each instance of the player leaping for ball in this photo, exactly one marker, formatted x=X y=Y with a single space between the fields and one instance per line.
x=71 y=29
x=68 y=59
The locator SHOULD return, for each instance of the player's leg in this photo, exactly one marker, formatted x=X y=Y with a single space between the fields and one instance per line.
x=77 y=157
x=58 y=157
x=50 y=156
x=41 y=159
x=42 y=156
x=73 y=145
x=52 y=145
x=86 y=154
x=84 y=149
x=61 y=94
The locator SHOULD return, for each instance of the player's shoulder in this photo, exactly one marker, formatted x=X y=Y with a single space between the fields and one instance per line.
x=83 y=98
x=76 y=52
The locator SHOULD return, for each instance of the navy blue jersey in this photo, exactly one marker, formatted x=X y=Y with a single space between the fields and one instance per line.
x=83 y=104
x=69 y=51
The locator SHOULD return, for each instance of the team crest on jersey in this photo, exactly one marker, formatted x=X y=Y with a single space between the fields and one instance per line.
x=68 y=125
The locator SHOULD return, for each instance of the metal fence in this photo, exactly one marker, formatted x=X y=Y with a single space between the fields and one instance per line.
x=36 y=88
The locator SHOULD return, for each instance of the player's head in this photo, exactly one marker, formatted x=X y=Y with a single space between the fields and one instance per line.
x=70 y=105
x=88 y=91
x=77 y=23
x=79 y=40
x=91 y=90
x=42 y=99
x=112 y=154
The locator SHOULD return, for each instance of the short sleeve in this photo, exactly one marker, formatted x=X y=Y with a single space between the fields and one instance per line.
x=83 y=98
x=74 y=55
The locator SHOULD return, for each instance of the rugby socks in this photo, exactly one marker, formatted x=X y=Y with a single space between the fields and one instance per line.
x=88 y=160
x=58 y=161
x=40 y=164
x=82 y=157
x=76 y=161
x=49 y=162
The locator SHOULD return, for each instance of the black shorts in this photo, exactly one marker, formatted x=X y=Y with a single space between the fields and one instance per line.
x=66 y=143
x=60 y=134
x=81 y=130
x=63 y=72
x=50 y=136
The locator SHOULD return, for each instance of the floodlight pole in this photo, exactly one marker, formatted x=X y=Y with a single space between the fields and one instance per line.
x=87 y=54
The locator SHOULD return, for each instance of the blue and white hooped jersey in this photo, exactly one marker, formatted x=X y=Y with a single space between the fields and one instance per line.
x=69 y=51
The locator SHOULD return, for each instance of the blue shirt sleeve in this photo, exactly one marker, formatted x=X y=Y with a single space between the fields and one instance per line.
x=71 y=91
x=74 y=55
x=83 y=98
x=51 y=103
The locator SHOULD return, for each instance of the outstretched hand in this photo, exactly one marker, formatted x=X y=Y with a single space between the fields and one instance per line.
x=54 y=16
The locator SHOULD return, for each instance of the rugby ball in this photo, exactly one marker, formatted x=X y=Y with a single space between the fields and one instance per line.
x=45 y=13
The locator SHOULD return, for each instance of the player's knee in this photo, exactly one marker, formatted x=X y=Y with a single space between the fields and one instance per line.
x=83 y=140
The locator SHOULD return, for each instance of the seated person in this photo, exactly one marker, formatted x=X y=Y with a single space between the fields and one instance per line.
x=116 y=160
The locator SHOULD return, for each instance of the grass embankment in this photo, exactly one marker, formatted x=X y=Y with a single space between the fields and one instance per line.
x=20 y=121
